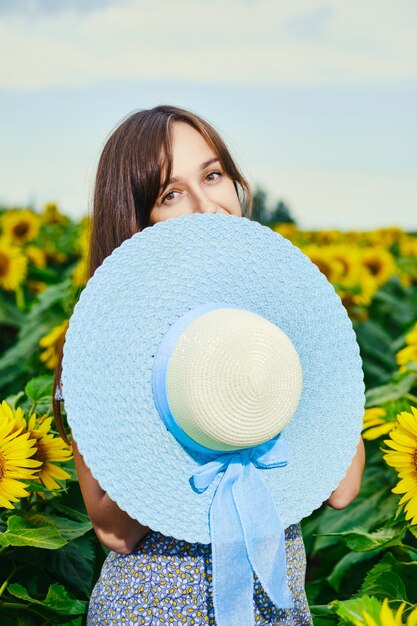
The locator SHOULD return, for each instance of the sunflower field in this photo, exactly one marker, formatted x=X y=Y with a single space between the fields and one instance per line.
x=361 y=560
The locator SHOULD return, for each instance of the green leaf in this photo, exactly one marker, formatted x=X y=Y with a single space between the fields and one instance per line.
x=74 y=564
x=347 y=564
x=352 y=610
x=77 y=516
x=10 y=315
x=14 y=399
x=37 y=531
x=322 y=615
x=382 y=582
x=361 y=541
x=39 y=389
x=57 y=599
x=45 y=274
x=407 y=572
x=69 y=529
x=46 y=312
x=391 y=392
x=370 y=510
x=413 y=530
x=34 y=485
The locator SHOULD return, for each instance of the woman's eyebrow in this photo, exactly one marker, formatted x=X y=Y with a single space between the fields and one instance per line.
x=174 y=179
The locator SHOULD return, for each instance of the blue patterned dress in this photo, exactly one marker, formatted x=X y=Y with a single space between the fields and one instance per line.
x=169 y=581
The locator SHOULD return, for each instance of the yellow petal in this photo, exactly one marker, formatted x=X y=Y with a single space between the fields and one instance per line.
x=408 y=496
x=369 y=621
x=377 y=431
x=408 y=422
x=406 y=484
x=412 y=618
x=387 y=617
x=400 y=446
x=56 y=472
x=401 y=437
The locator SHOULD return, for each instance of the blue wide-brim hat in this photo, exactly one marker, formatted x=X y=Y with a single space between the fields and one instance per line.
x=145 y=289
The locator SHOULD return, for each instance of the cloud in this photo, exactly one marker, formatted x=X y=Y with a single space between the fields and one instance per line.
x=234 y=42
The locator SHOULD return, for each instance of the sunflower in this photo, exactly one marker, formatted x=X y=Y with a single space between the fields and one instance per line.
x=51 y=215
x=16 y=417
x=325 y=237
x=385 y=237
x=353 y=237
x=408 y=246
x=50 y=449
x=16 y=448
x=13 y=266
x=368 y=287
x=286 y=229
x=373 y=424
x=51 y=341
x=20 y=225
x=409 y=353
x=332 y=268
x=347 y=256
x=36 y=256
x=387 y=617
x=379 y=262
x=403 y=458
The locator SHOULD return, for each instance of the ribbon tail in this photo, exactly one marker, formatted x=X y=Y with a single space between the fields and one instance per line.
x=232 y=572
x=264 y=535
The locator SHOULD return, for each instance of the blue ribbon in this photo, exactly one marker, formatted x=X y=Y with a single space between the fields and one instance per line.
x=246 y=531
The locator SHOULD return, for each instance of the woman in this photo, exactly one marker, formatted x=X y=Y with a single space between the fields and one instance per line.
x=159 y=164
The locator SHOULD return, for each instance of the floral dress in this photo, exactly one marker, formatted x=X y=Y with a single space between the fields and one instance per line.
x=169 y=581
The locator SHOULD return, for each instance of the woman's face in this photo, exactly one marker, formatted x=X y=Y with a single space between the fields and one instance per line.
x=201 y=185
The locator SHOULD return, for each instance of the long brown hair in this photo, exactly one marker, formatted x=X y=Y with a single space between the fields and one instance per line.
x=127 y=185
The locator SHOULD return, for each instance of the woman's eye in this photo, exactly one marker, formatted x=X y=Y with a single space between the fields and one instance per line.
x=167 y=196
x=214 y=172
x=170 y=196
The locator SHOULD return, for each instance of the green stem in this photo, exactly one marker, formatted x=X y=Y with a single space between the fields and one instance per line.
x=408 y=548
x=19 y=605
x=20 y=298
x=411 y=397
x=32 y=409
x=4 y=585
x=6 y=582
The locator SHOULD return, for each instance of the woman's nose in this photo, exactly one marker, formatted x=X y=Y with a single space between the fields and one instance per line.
x=204 y=204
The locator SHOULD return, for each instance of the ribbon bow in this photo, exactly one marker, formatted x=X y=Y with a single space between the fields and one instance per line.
x=246 y=531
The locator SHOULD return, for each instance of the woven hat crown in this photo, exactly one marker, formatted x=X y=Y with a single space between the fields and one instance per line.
x=233 y=379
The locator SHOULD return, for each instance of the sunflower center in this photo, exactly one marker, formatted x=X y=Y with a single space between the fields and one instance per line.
x=4 y=264
x=21 y=229
x=374 y=266
x=415 y=459
x=2 y=465
x=324 y=267
x=39 y=454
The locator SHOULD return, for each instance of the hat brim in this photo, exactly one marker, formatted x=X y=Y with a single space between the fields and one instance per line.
x=126 y=308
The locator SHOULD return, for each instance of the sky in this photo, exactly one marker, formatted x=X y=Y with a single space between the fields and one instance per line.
x=317 y=101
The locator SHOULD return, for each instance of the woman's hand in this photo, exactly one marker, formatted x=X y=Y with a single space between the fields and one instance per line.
x=350 y=486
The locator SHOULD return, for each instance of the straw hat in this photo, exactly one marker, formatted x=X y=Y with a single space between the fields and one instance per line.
x=214 y=386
